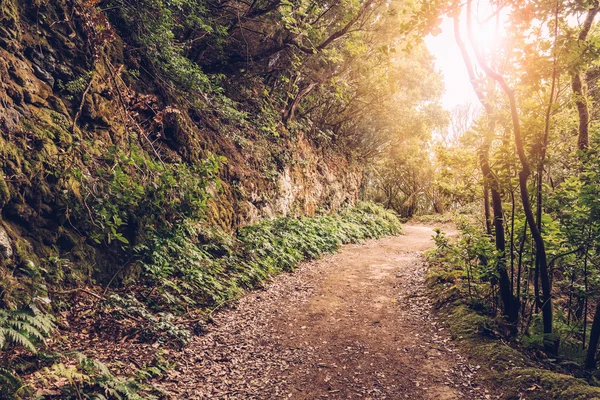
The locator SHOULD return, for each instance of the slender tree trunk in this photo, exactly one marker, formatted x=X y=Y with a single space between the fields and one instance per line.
x=549 y=342
x=577 y=84
x=582 y=110
x=585 y=299
x=512 y=246
x=520 y=268
x=541 y=259
x=510 y=308
x=291 y=108
x=580 y=307
x=504 y=285
x=570 y=303
x=536 y=286
x=590 y=358
x=486 y=206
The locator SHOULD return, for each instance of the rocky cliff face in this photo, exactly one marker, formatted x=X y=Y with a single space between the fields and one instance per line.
x=75 y=102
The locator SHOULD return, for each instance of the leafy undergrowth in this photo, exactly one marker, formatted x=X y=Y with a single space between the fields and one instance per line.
x=516 y=372
x=185 y=277
x=445 y=218
x=467 y=212
x=199 y=267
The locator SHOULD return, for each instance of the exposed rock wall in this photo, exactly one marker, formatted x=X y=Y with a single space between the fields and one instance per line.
x=65 y=104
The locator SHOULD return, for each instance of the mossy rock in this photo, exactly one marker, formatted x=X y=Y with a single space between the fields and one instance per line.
x=4 y=192
x=514 y=374
x=25 y=252
x=541 y=384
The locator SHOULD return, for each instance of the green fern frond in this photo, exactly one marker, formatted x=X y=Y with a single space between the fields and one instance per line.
x=19 y=339
x=122 y=389
x=42 y=322
x=24 y=328
x=9 y=380
x=28 y=330
x=71 y=373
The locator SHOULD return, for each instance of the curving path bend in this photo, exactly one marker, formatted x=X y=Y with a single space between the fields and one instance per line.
x=354 y=325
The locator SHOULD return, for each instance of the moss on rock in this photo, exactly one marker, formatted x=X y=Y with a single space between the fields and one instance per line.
x=4 y=192
x=511 y=371
x=541 y=384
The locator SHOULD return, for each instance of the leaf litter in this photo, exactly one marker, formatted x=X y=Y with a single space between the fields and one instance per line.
x=355 y=325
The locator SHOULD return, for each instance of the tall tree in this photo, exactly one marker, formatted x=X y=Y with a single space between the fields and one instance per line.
x=579 y=95
x=523 y=177
x=510 y=303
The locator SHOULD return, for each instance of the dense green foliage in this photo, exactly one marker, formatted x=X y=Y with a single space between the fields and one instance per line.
x=350 y=74
x=152 y=196
x=198 y=268
x=195 y=266
x=143 y=143
x=166 y=113
x=529 y=156
x=461 y=299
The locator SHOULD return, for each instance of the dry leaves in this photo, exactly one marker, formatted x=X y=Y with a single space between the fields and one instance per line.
x=354 y=325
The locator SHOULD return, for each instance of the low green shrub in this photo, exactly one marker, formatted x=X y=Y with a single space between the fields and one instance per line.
x=204 y=267
x=451 y=265
x=193 y=268
x=135 y=193
x=80 y=377
x=23 y=328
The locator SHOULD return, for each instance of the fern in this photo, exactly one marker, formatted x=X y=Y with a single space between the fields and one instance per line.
x=91 y=379
x=10 y=383
x=194 y=266
x=24 y=328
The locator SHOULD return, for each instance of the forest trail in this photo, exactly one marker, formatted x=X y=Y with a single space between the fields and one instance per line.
x=354 y=325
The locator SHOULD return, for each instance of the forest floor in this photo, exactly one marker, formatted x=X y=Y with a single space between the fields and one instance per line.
x=354 y=325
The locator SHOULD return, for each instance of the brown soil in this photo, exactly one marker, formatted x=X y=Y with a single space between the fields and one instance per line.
x=355 y=325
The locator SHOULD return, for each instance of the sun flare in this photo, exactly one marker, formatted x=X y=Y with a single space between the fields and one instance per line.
x=489 y=31
x=487 y=35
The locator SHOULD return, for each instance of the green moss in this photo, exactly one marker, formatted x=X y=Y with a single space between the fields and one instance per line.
x=10 y=154
x=9 y=11
x=4 y=192
x=541 y=384
x=466 y=322
x=220 y=211
x=504 y=367
x=24 y=251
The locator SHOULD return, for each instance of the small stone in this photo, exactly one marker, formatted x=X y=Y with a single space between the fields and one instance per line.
x=43 y=75
x=5 y=246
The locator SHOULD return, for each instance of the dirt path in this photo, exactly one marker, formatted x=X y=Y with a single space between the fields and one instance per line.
x=355 y=325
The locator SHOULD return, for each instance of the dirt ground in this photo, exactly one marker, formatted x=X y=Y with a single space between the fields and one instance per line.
x=355 y=325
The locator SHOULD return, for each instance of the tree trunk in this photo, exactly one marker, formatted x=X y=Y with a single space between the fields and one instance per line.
x=519 y=271
x=486 y=206
x=511 y=310
x=291 y=108
x=504 y=286
x=577 y=84
x=582 y=111
x=549 y=343
x=590 y=358
x=541 y=261
x=510 y=307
